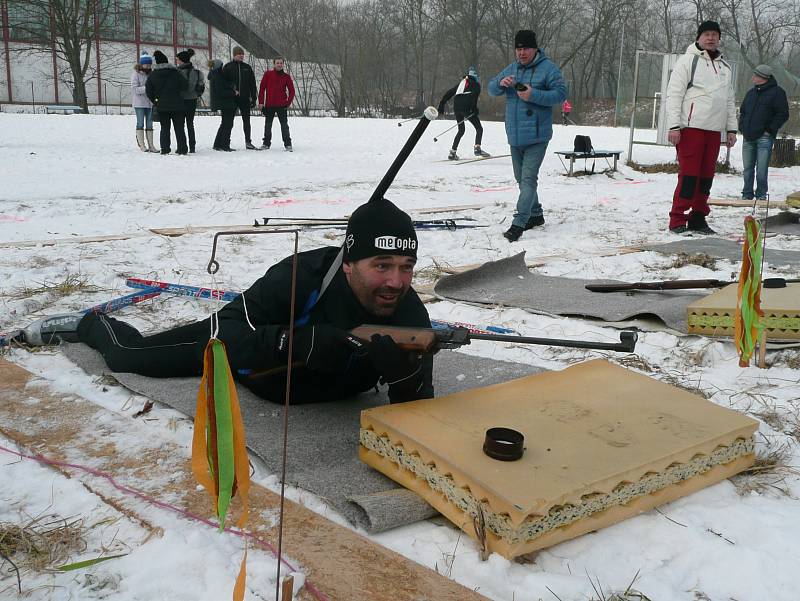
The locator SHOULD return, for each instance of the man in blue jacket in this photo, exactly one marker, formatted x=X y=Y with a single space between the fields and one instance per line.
x=764 y=110
x=532 y=85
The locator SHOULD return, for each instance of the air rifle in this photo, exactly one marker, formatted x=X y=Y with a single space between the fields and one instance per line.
x=681 y=285
x=429 y=340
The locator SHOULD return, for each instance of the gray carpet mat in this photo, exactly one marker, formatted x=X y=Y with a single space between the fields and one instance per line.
x=724 y=249
x=785 y=222
x=323 y=437
x=508 y=282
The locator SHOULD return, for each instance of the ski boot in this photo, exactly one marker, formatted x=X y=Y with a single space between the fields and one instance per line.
x=452 y=156
x=481 y=153
x=53 y=329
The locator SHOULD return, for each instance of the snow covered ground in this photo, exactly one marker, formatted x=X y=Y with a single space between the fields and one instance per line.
x=72 y=176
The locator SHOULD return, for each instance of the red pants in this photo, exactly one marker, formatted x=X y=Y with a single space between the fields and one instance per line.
x=697 y=159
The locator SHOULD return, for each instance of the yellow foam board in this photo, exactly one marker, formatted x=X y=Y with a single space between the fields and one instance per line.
x=602 y=443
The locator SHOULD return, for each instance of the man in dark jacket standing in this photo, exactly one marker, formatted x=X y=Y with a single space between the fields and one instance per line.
x=275 y=94
x=164 y=88
x=465 y=107
x=196 y=87
x=223 y=99
x=241 y=75
x=764 y=110
x=369 y=284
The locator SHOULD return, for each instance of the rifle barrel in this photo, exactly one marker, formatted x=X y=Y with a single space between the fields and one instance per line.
x=626 y=344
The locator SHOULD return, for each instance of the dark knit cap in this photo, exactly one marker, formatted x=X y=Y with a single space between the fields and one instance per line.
x=708 y=26
x=525 y=38
x=160 y=57
x=379 y=228
x=185 y=55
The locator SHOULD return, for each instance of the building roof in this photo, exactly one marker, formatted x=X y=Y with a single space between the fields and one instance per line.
x=219 y=17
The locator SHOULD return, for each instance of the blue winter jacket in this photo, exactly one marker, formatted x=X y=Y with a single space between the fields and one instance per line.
x=764 y=109
x=531 y=122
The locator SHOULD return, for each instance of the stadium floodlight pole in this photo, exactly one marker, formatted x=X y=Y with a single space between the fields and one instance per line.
x=428 y=115
x=436 y=139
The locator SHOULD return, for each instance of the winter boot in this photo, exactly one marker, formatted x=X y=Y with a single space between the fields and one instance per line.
x=151 y=147
x=53 y=329
x=452 y=156
x=513 y=233
x=288 y=148
x=697 y=223
x=140 y=140
x=534 y=222
x=479 y=152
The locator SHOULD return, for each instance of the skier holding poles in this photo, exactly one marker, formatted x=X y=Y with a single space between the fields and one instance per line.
x=465 y=107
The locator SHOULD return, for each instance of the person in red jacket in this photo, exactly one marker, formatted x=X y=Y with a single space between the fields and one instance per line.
x=274 y=96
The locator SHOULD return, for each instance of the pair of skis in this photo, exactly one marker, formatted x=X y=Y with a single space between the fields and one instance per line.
x=335 y=223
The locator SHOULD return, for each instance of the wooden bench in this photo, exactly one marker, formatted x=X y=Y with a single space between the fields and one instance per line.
x=595 y=154
x=65 y=108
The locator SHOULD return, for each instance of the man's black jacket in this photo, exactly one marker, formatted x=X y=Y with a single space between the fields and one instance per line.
x=267 y=305
x=764 y=110
x=164 y=87
x=241 y=75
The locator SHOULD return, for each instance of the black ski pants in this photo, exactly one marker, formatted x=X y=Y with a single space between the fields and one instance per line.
x=174 y=353
x=476 y=123
x=244 y=110
x=269 y=114
x=223 y=139
x=189 y=107
x=176 y=119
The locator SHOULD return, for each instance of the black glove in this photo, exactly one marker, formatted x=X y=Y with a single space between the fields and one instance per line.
x=322 y=347
x=401 y=370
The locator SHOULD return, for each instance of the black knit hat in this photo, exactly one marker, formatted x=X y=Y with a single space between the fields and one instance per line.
x=525 y=38
x=185 y=55
x=708 y=26
x=379 y=228
x=160 y=57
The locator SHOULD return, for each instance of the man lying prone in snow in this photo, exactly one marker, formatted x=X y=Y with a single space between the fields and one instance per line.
x=372 y=285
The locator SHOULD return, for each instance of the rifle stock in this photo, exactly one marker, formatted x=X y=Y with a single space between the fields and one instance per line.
x=420 y=340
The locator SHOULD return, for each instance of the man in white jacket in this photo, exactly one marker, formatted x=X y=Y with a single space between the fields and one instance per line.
x=700 y=109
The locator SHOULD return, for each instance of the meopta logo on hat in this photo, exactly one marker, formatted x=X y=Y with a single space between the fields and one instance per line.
x=394 y=243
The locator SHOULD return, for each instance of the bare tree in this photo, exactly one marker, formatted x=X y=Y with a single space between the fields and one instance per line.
x=67 y=28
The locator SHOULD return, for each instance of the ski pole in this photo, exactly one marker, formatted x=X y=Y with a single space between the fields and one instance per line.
x=436 y=139
x=400 y=124
x=429 y=115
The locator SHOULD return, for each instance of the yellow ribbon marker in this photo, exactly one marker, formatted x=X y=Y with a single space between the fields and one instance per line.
x=219 y=453
x=747 y=319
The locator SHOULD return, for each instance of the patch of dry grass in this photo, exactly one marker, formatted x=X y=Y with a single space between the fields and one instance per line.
x=768 y=473
x=699 y=259
x=72 y=283
x=433 y=272
x=654 y=168
x=40 y=544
